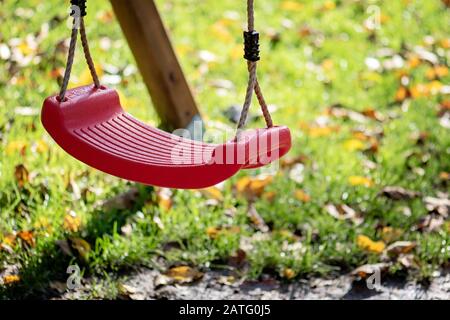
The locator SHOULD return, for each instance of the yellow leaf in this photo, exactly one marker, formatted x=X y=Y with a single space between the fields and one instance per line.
x=368 y=244
x=212 y=232
x=164 y=198
x=41 y=146
x=21 y=175
x=329 y=5
x=72 y=222
x=81 y=246
x=269 y=195
x=252 y=187
x=16 y=146
x=401 y=94
x=317 y=132
x=85 y=77
x=434 y=87
x=327 y=64
x=354 y=145
x=183 y=274
x=414 y=61
x=27 y=236
x=11 y=279
x=288 y=273
x=9 y=240
x=212 y=193
x=419 y=90
x=389 y=234
x=302 y=196
x=221 y=32
x=237 y=52
x=290 y=5
x=360 y=181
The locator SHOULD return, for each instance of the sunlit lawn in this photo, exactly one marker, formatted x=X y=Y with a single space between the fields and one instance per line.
x=368 y=108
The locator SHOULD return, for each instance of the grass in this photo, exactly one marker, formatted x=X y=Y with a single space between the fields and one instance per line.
x=313 y=56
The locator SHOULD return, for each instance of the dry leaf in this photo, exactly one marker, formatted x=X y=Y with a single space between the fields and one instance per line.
x=389 y=234
x=183 y=274
x=256 y=219
x=360 y=181
x=252 y=187
x=212 y=193
x=430 y=223
x=438 y=205
x=399 y=193
x=11 y=279
x=367 y=270
x=21 y=174
x=368 y=244
x=302 y=196
x=28 y=237
x=290 y=5
x=288 y=273
x=238 y=260
x=122 y=201
x=72 y=222
x=354 y=145
x=269 y=196
x=343 y=212
x=400 y=247
x=164 y=198
x=82 y=247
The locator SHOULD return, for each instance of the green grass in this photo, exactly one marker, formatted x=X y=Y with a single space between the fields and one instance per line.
x=294 y=80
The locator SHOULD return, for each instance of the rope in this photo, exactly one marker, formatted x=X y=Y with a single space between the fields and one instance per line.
x=71 y=54
x=87 y=53
x=253 y=84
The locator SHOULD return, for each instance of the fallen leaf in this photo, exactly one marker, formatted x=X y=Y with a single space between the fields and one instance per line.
x=11 y=279
x=238 y=260
x=302 y=196
x=288 y=273
x=28 y=237
x=256 y=219
x=21 y=175
x=72 y=222
x=122 y=201
x=354 y=145
x=399 y=193
x=290 y=5
x=81 y=246
x=269 y=196
x=409 y=261
x=212 y=193
x=343 y=212
x=389 y=234
x=400 y=247
x=368 y=244
x=438 y=205
x=252 y=187
x=360 y=181
x=183 y=274
x=430 y=223
x=164 y=198
x=367 y=270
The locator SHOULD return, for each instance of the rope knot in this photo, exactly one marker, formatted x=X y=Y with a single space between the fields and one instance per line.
x=81 y=4
x=251 y=46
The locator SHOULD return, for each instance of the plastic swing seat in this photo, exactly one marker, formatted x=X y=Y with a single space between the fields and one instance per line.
x=91 y=125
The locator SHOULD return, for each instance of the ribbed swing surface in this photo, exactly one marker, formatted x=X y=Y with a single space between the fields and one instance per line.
x=91 y=125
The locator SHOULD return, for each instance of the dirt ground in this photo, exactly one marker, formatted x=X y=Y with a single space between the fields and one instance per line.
x=148 y=284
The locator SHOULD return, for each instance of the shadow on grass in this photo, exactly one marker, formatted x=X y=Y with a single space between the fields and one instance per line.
x=51 y=264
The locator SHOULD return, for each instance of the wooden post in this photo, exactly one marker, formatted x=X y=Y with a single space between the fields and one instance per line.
x=157 y=62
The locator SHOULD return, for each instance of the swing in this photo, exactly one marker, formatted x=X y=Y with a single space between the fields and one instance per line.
x=90 y=124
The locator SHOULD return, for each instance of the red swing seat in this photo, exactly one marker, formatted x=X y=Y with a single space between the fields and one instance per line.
x=91 y=125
